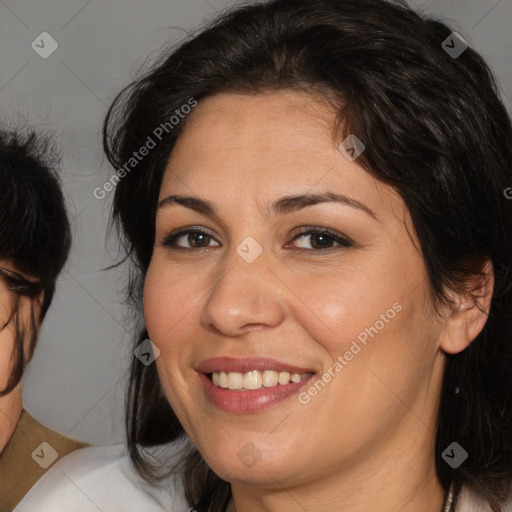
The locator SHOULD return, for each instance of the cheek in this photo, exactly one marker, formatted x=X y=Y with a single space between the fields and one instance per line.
x=11 y=404
x=336 y=309
x=158 y=305
x=168 y=304
x=385 y=349
x=7 y=345
x=380 y=331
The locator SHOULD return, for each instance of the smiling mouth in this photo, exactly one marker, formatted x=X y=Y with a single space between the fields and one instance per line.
x=255 y=379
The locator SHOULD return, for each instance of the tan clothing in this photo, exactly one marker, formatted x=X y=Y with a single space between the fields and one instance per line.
x=23 y=461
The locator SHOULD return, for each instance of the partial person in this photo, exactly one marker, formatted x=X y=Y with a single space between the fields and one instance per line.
x=35 y=239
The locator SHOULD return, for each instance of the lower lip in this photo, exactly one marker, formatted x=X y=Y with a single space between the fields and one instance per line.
x=252 y=400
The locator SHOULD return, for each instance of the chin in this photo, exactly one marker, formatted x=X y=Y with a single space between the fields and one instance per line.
x=248 y=464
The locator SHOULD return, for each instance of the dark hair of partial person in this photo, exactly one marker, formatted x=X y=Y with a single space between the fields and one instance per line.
x=35 y=235
x=435 y=129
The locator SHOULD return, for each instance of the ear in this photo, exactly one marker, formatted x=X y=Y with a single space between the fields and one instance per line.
x=469 y=312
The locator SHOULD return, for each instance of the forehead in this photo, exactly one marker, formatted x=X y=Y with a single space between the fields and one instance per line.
x=238 y=147
x=237 y=127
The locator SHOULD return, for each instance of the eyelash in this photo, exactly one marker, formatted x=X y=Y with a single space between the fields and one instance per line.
x=344 y=242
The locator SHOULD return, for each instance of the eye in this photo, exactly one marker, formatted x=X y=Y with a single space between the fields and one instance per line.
x=196 y=238
x=17 y=283
x=320 y=239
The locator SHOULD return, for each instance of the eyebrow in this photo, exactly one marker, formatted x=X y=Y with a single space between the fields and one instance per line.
x=282 y=206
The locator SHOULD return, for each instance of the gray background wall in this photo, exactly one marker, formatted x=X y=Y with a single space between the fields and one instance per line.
x=76 y=381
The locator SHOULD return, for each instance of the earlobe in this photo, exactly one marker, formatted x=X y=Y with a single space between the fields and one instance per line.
x=469 y=312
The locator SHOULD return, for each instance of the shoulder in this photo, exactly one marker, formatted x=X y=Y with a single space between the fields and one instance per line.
x=37 y=431
x=101 y=478
x=18 y=468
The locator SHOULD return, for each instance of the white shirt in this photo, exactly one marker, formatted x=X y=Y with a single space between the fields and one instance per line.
x=101 y=479
x=470 y=502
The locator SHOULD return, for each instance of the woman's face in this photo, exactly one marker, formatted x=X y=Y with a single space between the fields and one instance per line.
x=10 y=404
x=262 y=297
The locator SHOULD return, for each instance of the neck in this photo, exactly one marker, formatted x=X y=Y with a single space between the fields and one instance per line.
x=401 y=477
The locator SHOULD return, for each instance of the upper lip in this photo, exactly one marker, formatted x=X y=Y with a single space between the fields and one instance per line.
x=231 y=364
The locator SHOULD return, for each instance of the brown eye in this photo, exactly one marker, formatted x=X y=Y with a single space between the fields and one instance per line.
x=195 y=238
x=321 y=239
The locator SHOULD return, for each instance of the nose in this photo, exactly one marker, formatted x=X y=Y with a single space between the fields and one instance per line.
x=248 y=296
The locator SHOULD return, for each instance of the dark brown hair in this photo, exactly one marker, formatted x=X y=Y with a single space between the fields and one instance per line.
x=435 y=129
x=35 y=236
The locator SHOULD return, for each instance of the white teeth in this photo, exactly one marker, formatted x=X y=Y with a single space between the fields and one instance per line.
x=223 y=379
x=254 y=379
x=270 y=378
x=235 y=380
x=284 y=378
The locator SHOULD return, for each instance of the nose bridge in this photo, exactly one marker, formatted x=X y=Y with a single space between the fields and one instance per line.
x=246 y=293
